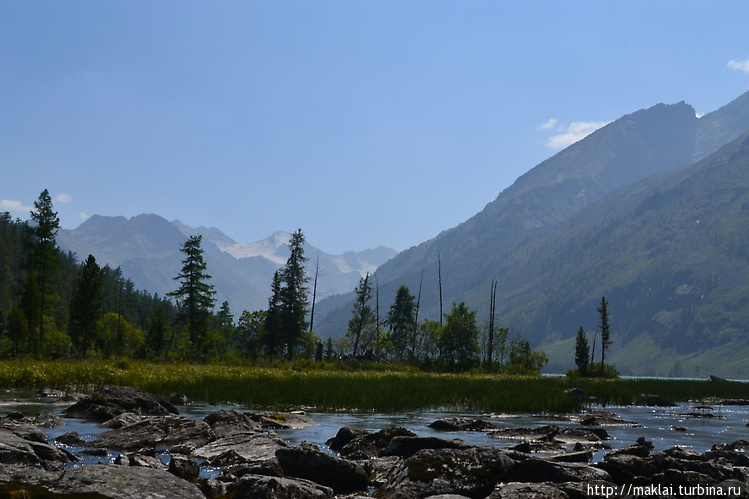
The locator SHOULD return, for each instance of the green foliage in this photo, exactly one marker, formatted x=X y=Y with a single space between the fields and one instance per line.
x=459 y=339
x=582 y=351
x=195 y=294
x=402 y=322
x=86 y=306
x=360 y=327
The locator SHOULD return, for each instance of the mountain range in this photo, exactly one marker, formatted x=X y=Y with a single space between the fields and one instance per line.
x=147 y=249
x=649 y=211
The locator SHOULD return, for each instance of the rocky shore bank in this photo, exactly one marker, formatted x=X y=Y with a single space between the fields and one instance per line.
x=159 y=455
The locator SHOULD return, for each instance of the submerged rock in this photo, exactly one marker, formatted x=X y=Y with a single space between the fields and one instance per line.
x=600 y=417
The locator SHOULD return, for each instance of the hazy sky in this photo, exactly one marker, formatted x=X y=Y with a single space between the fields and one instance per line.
x=364 y=123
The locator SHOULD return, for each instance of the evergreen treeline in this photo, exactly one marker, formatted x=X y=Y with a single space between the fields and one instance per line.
x=53 y=307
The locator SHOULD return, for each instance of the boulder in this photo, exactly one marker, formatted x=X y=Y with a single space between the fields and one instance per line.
x=372 y=444
x=227 y=422
x=528 y=490
x=282 y=420
x=266 y=487
x=344 y=436
x=600 y=417
x=15 y=449
x=110 y=401
x=462 y=424
x=187 y=469
x=71 y=439
x=546 y=433
x=239 y=448
x=535 y=470
x=178 y=434
x=341 y=475
x=656 y=401
x=407 y=446
x=123 y=482
x=47 y=420
x=473 y=472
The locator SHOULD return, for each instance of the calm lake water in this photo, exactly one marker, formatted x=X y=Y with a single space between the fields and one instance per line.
x=656 y=424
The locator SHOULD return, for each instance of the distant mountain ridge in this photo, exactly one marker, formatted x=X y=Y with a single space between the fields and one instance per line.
x=516 y=236
x=147 y=249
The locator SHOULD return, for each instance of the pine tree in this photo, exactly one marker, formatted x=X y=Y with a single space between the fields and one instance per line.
x=272 y=339
x=401 y=319
x=47 y=225
x=363 y=318
x=582 y=351
x=86 y=306
x=195 y=295
x=294 y=302
x=603 y=325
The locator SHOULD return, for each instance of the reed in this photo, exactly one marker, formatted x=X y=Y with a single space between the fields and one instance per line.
x=282 y=388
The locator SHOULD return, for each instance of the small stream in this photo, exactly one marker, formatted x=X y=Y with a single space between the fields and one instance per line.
x=665 y=427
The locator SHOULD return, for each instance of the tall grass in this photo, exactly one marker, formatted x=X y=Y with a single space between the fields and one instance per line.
x=335 y=390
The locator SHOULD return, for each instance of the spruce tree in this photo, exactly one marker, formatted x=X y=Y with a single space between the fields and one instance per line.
x=45 y=230
x=402 y=322
x=294 y=302
x=86 y=306
x=582 y=351
x=195 y=294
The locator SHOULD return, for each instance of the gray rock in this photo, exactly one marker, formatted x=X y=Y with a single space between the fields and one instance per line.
x=341 y=475
x=70 y=438
x=265 y=487
x=372 y=445
x=242 y=447
x=473 y=472
x=228 y=422
x=124 y=482
x=187 y=469
x=282 y=420
x=528 y=490
x=178 y=434
x=47 y=420
x=15 y=449
x=408 y=446
x=110 y=401
x=344 y=436
x=543 y=433
x=535 y=470
x=599 y=417
x=462 y=424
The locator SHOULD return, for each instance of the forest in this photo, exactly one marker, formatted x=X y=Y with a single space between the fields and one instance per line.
x=53 y=306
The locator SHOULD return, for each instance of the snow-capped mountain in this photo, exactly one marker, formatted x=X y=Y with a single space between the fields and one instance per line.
x=147 y=249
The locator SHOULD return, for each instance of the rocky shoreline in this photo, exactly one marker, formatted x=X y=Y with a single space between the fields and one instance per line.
x=160 y=454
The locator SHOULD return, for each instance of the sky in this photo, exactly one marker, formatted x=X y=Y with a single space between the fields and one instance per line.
x=364 y=123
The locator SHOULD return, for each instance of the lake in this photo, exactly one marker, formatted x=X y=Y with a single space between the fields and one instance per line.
x=656 y=424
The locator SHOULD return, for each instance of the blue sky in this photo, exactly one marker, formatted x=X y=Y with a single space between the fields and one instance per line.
x=364 y=123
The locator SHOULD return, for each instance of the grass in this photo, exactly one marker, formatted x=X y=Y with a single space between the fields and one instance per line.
x=336 y=390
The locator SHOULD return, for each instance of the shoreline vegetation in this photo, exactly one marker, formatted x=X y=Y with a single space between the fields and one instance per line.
x=373 y=387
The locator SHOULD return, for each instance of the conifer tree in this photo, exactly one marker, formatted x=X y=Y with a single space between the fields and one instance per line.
x=582 y=351
x=294 y=302
x=603 y=325
x=363 y=318
x=47 y=225
x=401 y=319
x=86 y=306
x=195 y=294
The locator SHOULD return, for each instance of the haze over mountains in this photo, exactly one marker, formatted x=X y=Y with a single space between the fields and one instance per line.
x=147 y=249
x=614 y=214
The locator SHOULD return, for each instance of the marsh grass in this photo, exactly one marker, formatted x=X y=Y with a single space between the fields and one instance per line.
x=380 y=390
